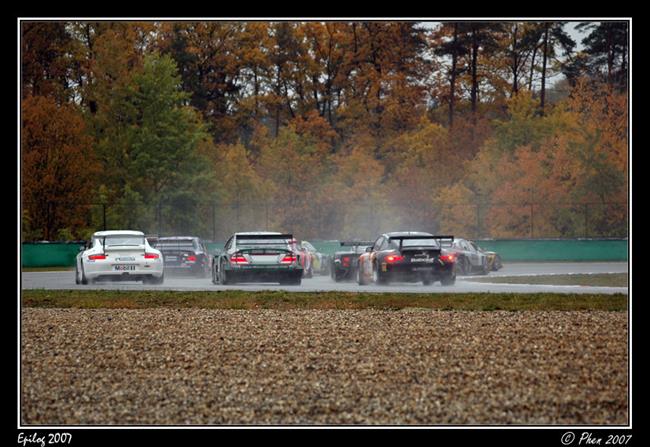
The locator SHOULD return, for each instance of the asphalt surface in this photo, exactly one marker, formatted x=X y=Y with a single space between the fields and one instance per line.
x=65 y=280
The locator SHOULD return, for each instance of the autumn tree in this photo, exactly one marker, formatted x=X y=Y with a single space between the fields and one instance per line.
x=45 y=64
x=58 y=171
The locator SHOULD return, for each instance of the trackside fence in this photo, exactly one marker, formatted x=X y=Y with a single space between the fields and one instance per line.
x=62 y=254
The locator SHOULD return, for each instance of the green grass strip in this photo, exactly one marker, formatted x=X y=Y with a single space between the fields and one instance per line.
x=594 y=280
x=281 y=300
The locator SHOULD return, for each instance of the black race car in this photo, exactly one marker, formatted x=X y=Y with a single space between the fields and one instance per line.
x=344 y=263
x=410 y=257
x=185 y=254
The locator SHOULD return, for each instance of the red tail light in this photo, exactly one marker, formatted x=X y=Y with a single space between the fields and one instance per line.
x=96 y=257
x=191 y=258
x=394 y=258
x=288 y=259
x=346 y=261
x=238 y=259
x=151 y=256
x=449 y=258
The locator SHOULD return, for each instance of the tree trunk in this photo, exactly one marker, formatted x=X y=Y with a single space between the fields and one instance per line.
x=610 y=55
x=542 y=94
x=452 y=81
x=474 y=91
x=532 y=70
x=515 y=63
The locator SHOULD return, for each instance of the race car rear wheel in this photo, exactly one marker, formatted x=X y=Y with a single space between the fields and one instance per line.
x=448 y=280
x=378 y=277
x=84 y=280
x=464 y=266
x=361 y=279
x=154 y=280
x=214 y=275
x=484 y=268
x=76 y=274
x=223 y=276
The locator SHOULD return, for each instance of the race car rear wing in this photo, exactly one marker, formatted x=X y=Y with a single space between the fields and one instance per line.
x=356 y=243
x=274 y=239
x=445 y=241
x=442 y=240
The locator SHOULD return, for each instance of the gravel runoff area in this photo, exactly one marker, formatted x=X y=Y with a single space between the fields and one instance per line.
x=414 y=366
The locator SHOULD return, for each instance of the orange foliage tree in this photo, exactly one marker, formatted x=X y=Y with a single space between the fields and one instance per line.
x=58 y=171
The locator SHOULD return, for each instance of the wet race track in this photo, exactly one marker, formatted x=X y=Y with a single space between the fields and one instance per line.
x=65 y=280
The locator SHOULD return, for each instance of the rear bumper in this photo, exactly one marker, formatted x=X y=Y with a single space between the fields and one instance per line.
x=344 y=272
x=263 y=273
x=415 y=272
x=107 y=270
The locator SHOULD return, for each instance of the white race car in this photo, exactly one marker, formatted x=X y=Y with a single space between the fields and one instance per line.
x=119 y=255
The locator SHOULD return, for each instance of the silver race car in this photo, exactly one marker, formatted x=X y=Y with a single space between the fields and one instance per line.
x=258 y=257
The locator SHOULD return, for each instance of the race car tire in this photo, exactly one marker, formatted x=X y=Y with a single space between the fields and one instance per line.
x=484 y=268
x=464 y=265
x=76 y=274
x=448 y=280
x=223 y=277
x=378 y=277
x=427 y=281
x=496 y=265
x=84 y=280
x=213 y=274
x=155 y=280
x=337 y=276
x=361 y=279
x=294 y=280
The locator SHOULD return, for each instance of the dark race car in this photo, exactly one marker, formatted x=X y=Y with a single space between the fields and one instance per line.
x=469 y=258
x=185 y=254
x=344 y=263
x=408 y=257
x=258 y=257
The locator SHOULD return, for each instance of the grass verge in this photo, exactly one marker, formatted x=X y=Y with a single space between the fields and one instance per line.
x=281 y=300
x=47 y=269
x=594 y=280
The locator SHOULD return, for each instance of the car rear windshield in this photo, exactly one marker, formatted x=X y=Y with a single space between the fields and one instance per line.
x=123 y=240
x=180 y=244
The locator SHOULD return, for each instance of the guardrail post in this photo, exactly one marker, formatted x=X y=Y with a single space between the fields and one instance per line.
x=214 y=223
x=104 y=216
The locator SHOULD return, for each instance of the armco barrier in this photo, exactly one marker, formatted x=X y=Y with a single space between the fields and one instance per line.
x=541 y=250
x=54 y=254
x=57 y=254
